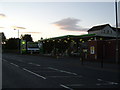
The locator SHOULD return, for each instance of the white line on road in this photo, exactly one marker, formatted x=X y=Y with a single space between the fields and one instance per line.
x=4 y=60
x=64 y=76
x=62 y=71
x=75 y=84
x=33 y=73
x=10 y=63
x=34 y=64
x=107 y=82
x=99 y=79
x=14 y=64
x=113 y=83
x=66 y=87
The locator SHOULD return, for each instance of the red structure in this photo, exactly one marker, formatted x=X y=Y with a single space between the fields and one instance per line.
x=102 y=50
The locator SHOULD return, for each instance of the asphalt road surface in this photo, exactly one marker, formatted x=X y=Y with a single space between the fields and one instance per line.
x=30 y=71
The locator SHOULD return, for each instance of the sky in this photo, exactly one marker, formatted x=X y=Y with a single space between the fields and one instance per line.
x=52 y=19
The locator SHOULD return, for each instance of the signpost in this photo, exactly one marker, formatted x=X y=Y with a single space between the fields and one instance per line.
x=23 y=47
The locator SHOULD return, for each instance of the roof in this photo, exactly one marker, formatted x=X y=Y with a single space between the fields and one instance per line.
x=115 y=29
x=70 y=36
x=101 y=27
x=98 y=27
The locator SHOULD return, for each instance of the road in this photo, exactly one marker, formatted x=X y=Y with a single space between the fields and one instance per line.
x=30 y=71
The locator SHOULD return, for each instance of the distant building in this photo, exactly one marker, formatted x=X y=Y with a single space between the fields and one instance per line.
x=104 y=30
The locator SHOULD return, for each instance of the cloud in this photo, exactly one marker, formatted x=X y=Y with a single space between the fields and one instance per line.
x=2 y=15
x=70 y=24
x=15 y=27
x=1 y=27
x=32 y=32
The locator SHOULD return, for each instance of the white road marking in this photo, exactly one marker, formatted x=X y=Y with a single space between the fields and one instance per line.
x=10 y=63
x=75 y=84
x=106 y=82
x=113 y=83
x=14 y=64
x=47 y=71
x=34 y=64
x=62 y=71
x=64 y=76
x=4 y=60
x=99 y=79
x=66 y=87
x=98 y=84
x=33 y=73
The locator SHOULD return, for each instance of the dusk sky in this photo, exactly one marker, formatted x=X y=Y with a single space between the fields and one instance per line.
x=52 y=19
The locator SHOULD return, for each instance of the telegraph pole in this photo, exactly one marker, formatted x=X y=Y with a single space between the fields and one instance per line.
x=116 y=31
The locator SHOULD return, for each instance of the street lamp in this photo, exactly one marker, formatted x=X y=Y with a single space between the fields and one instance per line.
x=18 y=32
x=17 y=28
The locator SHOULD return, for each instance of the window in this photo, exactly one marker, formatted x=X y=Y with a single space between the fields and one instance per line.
x=111 y=32
x=103 y=31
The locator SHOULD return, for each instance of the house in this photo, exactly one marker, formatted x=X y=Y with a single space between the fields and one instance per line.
x=104 y=30
x=104 y=49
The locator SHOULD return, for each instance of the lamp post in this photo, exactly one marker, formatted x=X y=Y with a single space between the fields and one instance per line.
x=18 y=32
x=18 y=40
x=17 y=28
x=116 y=31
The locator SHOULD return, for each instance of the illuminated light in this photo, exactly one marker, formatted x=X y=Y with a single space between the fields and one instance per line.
x=68 y=38
x=23 y=42
x=91 y=38
x=72 y=40
x=53 y=40
x=80 y=39
x=59 y=39
x=101 y=39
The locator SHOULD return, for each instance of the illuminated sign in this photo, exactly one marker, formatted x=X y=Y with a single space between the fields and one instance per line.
x=92 y=50
x=23 y=46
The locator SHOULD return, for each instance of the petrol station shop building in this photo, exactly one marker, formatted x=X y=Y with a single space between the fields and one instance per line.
x=99 y=44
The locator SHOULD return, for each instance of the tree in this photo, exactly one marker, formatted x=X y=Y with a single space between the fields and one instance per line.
x=2 y=36
x=27 y=37
x=12 y=43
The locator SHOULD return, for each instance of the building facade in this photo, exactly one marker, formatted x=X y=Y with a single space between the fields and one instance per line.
x=104 y=30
